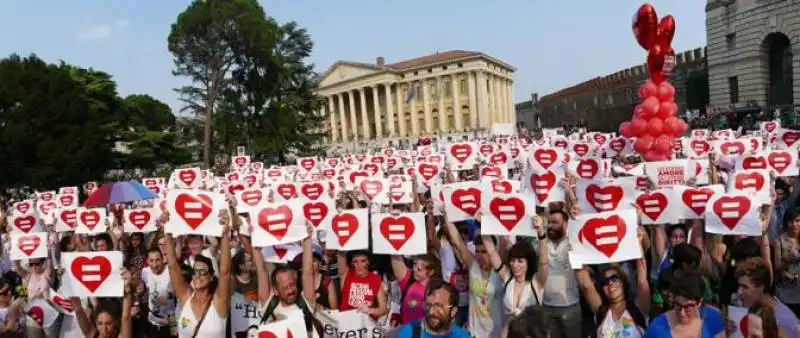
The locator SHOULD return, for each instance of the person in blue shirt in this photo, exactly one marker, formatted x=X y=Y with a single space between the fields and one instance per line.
x=441 y=306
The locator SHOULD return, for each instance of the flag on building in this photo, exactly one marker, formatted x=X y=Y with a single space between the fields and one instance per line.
x=412 y=93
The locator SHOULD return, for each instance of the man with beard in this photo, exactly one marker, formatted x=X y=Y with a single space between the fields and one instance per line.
x=441 y=307
x=561 y=293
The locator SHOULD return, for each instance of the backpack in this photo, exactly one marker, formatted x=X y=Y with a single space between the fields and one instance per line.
x=311 y=321
x=404 y=292
x=416 y=329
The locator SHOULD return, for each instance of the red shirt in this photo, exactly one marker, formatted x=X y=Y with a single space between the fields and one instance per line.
x=358 y=291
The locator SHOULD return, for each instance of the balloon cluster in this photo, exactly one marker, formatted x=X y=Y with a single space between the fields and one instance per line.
x=655 y=124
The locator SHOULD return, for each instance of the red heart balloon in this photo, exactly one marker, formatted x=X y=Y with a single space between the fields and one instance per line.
x=645 y=26
x=660 y=62
x=666 y=30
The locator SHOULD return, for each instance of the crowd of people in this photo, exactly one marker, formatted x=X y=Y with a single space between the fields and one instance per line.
x=466 y=285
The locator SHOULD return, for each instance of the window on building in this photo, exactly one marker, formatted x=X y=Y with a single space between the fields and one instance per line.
x=448 y=89
x=596 y=100
x=430 y=70
x=463 y=87
x=610 y=100
x=733 y=88
x=730 y=42
x=444 y=67
x=416 y=72
x=460 y=65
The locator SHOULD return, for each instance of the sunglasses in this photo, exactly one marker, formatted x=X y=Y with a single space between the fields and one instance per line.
x=611 y=279
x=200 y=272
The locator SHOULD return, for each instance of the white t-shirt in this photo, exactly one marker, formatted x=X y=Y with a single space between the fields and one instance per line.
x=561 y=288
x=161 y=298
x=624 y=327
x=69 y=324
x=486 y=318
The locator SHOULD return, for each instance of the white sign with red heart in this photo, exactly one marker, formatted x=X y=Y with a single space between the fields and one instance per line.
x=62 y=304
x=693 y=200
x=375 y=189
x=25 y=223
x=462 y=156
x=732 y=214
x=400 y=234
x=500 y=186
x=306 y=163
x=544 y=186
x=140 y=219
x=318 y=212
x=542 y=159
x=91 y=221
x=606 y=195
x=28 y=246
x=659 y=206
x=400 y=192
x=754 y=183
x=496 y=171
x=278 y=223
x=25 y=207
x=507 y=214
x=92 y=274
x=67 y=200
x=282 y=253
x=787 y=139
x=240 y=163
x=606 y=237
x=41 y=313
x=781 y=162
x=252 y=198
x=194 y=212
x=349 y=231
x=462 y=200
x=768 y=127
x=187 y=178
x=589 y=168
x=66 y=219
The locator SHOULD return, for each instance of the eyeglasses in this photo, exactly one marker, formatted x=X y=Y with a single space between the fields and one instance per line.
x=685 y=307
x=613 y=279
x=200 y=272
x=437 y=306
x=35 y=263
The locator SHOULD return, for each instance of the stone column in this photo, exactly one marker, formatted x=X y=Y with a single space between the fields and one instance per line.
x=412 y=107
x=483 y=101
x=377 y=110
x=387 y=93
x=364 y=115
x=332 y=118
x=345 y=136
x=456 y=103
x=426 y=106
x=513 y=111
x=351 y=102
x=473 y=100
x=497 y=98
x=442 y=114
x=401 y=115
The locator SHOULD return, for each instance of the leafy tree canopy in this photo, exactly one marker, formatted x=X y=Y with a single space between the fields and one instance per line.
x=62 y=125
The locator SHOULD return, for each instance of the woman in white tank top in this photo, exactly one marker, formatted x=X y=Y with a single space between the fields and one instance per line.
x=205 y=303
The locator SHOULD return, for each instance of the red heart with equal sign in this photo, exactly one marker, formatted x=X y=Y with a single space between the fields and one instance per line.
x=397 y=230
x=91 y=272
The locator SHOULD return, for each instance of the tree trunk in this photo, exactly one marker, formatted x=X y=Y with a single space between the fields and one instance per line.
x=207 y=134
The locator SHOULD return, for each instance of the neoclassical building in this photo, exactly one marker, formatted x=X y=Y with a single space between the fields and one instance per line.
x=451 y=94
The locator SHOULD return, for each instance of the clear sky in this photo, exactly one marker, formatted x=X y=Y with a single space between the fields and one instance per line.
x=552 y=43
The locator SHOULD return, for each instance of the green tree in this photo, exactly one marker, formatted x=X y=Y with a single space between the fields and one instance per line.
x=144 y=111
x=270 y=104
x=147 y=138
x=56 y=123
x=205 y=40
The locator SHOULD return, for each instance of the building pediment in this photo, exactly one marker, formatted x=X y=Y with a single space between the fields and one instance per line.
x=343 y=71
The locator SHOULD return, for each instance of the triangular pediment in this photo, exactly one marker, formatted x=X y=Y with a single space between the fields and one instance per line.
x=343 y=71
